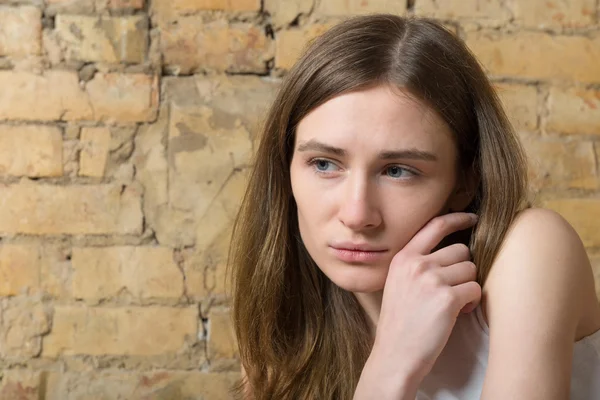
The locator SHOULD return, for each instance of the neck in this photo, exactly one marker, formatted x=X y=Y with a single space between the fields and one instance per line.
x=371 y=305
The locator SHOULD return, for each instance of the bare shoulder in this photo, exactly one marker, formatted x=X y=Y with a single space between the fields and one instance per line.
x=535 y=299
x=543 y=261
x=538 y=233
x=546 y=224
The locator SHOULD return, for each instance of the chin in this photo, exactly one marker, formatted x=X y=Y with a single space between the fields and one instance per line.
x=356 y=278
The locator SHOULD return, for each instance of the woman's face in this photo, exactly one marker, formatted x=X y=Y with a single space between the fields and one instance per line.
x=370 y=168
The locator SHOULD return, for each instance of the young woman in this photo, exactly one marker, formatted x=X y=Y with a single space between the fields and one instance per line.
x=385 y=248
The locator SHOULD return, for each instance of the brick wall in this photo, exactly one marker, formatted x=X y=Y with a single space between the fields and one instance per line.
x=125 y=133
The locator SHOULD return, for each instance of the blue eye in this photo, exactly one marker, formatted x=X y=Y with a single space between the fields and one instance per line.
x=398 y=172
x=322 y=165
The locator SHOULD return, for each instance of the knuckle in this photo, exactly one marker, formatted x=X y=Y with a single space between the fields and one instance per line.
x=447 y=298
x=464 y=250
x=432 y=280
x=472 y=273
x=477 y=288
x=472 y=267
x=440 y=224
x=419 y=266
x=474 y=289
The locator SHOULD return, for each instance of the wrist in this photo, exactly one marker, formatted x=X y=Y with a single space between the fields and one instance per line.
x=384 y=380
x=405 y=367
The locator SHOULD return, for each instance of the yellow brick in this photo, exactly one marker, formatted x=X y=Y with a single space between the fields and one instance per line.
x=285 y=11
x=143 y=331
x=193 y=45
x=24 y=321
x=166 y=11
x=145 y=272
x=574 y=111
x=213 y=386
x=151 y=385
x=19 y=269
x=75 y=7
x=29 y=150
x=104 y=39
x=554 y=13
x=57 y=95
x=356 y=7
x=228 y=5
x=124 y=97
x=95 y=144
x=560 y=164
x=89 y=209
x=46 y=97
x=56 y=270
x=35 y=270
x=221 y=337
x=583 y=214
x=126 y=4
x=520 y=104
x=485 y=11
x=291 y=43
x=20 y=384
x=20 y=31
x=571 y=58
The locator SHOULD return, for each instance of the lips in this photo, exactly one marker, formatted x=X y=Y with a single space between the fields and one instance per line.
x=357 y=246
x=358 y=253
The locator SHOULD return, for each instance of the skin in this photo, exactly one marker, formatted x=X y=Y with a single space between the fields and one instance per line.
x=359 y=197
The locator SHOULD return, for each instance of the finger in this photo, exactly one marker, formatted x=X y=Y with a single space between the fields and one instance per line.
x=438 y=228
x=469 y=308
x=469 y=295
x=459 y=273
x=449 y=255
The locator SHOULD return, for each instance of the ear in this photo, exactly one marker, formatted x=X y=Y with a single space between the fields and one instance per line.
x=464 y=191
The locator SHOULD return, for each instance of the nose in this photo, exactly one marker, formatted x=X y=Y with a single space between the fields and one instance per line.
x=358 y=207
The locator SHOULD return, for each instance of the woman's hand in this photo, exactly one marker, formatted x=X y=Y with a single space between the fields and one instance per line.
x=423 y=295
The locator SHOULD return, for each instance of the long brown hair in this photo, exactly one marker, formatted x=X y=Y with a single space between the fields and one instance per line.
x=299 y=335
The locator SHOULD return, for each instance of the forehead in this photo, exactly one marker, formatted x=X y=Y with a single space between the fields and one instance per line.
x=377 y=118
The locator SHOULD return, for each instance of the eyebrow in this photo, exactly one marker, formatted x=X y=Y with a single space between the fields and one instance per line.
x=412 y=154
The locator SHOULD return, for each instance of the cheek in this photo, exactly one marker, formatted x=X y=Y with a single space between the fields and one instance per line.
x=313 y=200
x=299 y=191
x=311 y=211
x=304 y=197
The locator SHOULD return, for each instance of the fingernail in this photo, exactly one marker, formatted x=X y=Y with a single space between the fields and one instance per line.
x=474 y=217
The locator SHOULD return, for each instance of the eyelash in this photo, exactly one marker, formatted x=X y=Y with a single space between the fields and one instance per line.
x=313 y=162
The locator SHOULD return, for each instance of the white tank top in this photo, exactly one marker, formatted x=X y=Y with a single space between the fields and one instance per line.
x=460 y=369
